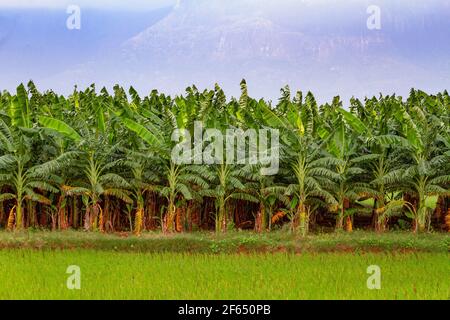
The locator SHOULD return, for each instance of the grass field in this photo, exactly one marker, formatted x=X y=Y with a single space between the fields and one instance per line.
x=236 y=265
x=32 y=274
x=231 y=242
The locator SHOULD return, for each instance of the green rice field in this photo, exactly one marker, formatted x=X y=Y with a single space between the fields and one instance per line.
x=41 y=274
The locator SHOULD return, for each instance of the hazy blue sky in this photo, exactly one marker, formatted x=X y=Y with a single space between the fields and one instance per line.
x=318 y=45
x=103 y=4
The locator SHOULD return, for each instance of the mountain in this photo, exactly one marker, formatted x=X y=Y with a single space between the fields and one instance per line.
x=326 y=48
x=318 y=45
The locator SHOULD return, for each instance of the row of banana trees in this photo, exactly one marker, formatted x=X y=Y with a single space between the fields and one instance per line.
x=102 y=161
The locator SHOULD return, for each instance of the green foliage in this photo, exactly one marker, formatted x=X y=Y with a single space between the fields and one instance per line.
x=101 y=157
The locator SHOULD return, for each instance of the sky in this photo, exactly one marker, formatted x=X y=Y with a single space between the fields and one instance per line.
x=324 y=46
x=99 y=4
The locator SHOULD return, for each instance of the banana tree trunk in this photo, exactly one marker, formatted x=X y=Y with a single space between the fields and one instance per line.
x=340 y=219
x=93 y=214
x=179 y=214
x=170 y=216
x=422 y=212
x=380 y=218
x=101 y=220
x=19 y=216
x=260 y=220
x=11 y=218
x=2 y=212
x=421 y=219
x=302 y=214
x=138 y=221
x=221 y=222
x=447 y=220
x=349 y=224
x=74 y=213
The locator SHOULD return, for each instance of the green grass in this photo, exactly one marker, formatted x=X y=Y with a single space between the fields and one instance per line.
x=232 y=242
x=41 y=274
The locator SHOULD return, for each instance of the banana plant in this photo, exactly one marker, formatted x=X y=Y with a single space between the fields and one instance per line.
x=178 y=180
x=108 y=154
x=381 y=154
x=309 y=179
x=21 y=176
x=344 y=159
x=264 y=190
x=95 y=159
x=142 y=180
x=423 y=172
